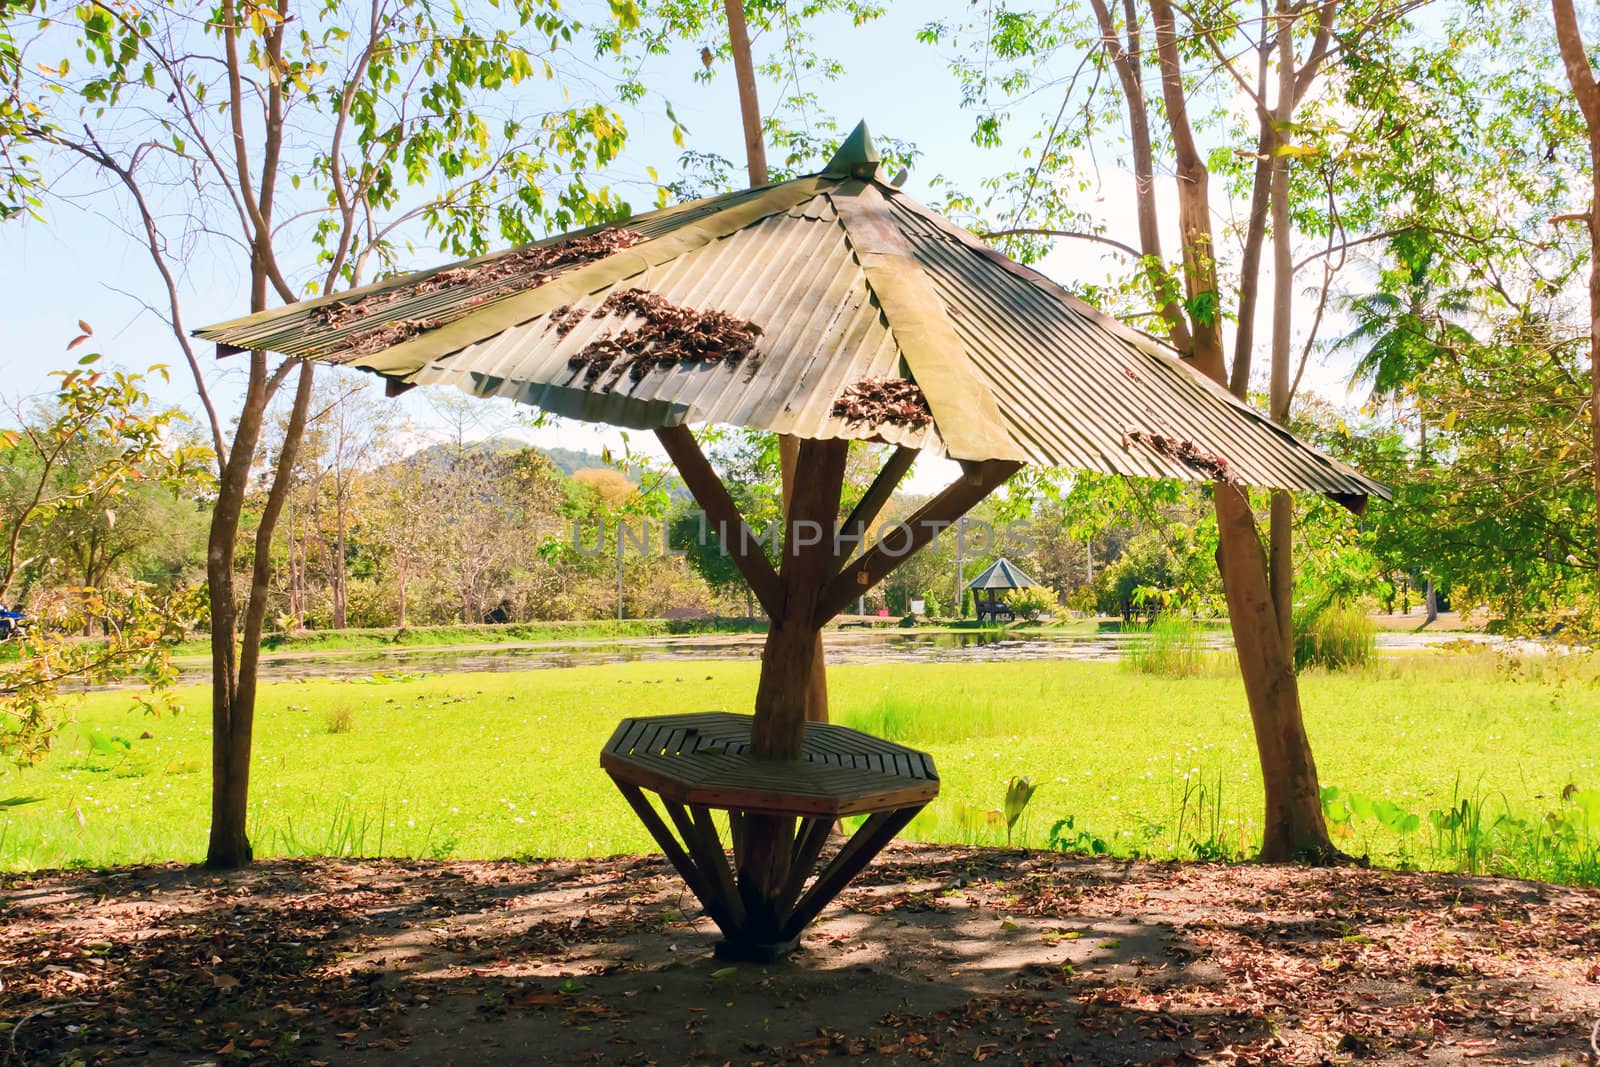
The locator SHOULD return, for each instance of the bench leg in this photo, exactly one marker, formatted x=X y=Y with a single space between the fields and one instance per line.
x=859 y=851
x=770 y=931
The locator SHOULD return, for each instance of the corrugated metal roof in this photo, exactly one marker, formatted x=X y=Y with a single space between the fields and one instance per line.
x=1002 y=574
x=791 y=272
x=848 y=280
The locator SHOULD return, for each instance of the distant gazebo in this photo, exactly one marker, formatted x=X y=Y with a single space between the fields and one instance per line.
x=1002 y=576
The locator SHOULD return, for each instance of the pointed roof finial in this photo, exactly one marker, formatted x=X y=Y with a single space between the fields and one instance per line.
x=857 y=156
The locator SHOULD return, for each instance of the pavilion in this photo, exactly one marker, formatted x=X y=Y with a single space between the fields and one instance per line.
x=1001 y=576
x=836 y=309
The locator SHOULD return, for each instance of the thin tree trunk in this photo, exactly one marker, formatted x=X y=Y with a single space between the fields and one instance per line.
x=340 y=603
x=1580 y=73
x=1250 y=265
x=744 y=72
x=230 y=843
x=400 y=581
x=229 y=846
x=755 y=148
x=1294 y=826
x=291 y=560
x=1281 y=535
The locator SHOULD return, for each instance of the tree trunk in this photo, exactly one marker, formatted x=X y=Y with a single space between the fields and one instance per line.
x=229 y=847
x=1294 y=827
x=234 y=668
x=400 y=582
x=292 y=561
x=755 y=149
x=1281 y=533
x=340 y=602
x=1430 y=599
x=1580 y=73
x=787 y=693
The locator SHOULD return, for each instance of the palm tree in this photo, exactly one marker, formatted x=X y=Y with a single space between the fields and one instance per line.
x=1402 y=330
x=1405 y=327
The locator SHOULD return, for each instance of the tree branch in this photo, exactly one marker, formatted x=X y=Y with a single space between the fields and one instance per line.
x=1031 y=231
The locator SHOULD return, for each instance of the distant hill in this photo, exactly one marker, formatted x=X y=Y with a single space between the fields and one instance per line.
x=571 y=460
x=567 y=459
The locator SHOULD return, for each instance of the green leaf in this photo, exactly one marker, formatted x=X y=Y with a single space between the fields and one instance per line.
x=1203 y=307
x=626 y=12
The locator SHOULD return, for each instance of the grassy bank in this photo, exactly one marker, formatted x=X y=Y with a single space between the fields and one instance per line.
x=490 y=765
x=358 y=639
x=485 y=634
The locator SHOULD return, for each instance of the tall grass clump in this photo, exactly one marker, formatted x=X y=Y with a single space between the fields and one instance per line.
x=936 y=716
x=1334 y=638
x=1172 y=645
x=340 y=719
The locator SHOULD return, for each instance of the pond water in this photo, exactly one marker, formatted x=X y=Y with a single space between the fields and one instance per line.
x=844 y=646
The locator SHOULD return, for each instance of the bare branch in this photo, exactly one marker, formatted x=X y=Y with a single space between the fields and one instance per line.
x=1029 y=231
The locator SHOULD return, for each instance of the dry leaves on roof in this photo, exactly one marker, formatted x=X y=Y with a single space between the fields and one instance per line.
x=387 y=335
x=1185 y=452
x=884 y=400
x=565 y=319
x=669 y=335
x=525 y=268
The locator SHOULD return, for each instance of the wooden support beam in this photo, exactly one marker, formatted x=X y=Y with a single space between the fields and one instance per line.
x=711 y=846
x=867 y=842
x=679 y=859
x=701 y=837
x=808 y=846
x=854 y=530
x=960 y=496
x=712 y=495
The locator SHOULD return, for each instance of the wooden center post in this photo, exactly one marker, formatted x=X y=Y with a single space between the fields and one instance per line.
x=759 y=903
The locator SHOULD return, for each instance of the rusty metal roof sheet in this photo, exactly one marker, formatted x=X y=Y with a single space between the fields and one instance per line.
x=848 y=280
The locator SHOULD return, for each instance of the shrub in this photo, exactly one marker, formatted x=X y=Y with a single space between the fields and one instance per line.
x=1033 y=602
x=1334 y=638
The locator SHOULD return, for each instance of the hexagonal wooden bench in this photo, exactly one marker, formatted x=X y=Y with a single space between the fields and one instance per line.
x=702 y=762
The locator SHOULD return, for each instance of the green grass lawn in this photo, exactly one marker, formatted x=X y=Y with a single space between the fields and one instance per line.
x=494 y=765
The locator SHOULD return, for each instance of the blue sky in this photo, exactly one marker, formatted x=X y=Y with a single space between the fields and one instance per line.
x=79 y=266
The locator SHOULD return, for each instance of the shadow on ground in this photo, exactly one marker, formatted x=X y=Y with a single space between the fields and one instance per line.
x=938 y=955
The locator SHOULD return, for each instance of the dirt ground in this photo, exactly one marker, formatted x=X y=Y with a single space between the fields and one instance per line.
x=936 y=955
